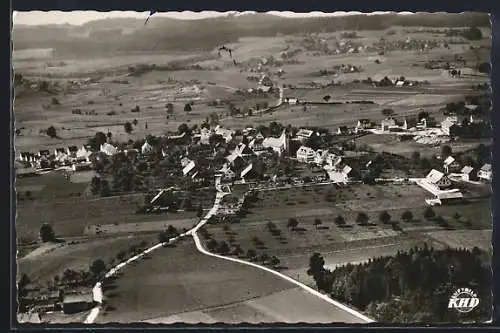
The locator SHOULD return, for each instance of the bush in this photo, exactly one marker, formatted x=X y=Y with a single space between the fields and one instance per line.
x=429 y=213
x=47 y=233
x=188 y=107
x=51 y=132
x=407 y=216
x=385 y=217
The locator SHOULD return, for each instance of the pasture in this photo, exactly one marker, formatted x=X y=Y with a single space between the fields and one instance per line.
x=179 y=284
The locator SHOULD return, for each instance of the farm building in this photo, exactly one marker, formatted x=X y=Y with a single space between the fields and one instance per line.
x=438 y=180
x=205 y=135
x=337 y=174
x=468 y=173
x=410 y=123
x=485 y=173
x=189 y=169
x=448 y=123
x=450 y=165
x=226 y=172
x=387 y=124
x=304 y=134
x=227 y=134
x=81 y=166
x=292 y=101
x=43 y=153
x=243 y=150
x=77 y=303
x=305 y=154
x=422 y=124
x=71 y=151
x=342 y=130
x=84 y=153
x=363 y=124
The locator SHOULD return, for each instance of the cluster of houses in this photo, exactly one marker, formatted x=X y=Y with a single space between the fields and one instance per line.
x=77 y=158
x=440 y=184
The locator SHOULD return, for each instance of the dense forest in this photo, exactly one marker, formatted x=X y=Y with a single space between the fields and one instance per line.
x=160 y=34
x=412 y=286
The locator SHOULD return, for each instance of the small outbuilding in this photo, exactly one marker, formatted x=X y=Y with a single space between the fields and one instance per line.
x=78 y=303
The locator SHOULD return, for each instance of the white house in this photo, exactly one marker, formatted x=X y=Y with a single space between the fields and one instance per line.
x=146 y=148
x=108 y=149
x=185 y=161
x=278 y=145
x=339 y=175
x=320 y=156
x=243 y=150
x=227 y=134
x=468 y=173
x=342 y=130
x=485 y=173
x=305 y=154
x=304 y=134
x=363 y=124
x=447 y=124
x=451 y=165
x=388 y=124
x=292 y=101
x=189 y=168
x=83 y=153
x=205 y=135
x=438 y=179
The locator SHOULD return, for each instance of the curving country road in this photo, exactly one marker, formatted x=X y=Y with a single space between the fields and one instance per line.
x=345 y=313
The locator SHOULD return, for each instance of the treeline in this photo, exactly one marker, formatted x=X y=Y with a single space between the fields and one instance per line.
x=412 y=286
x=209 y=33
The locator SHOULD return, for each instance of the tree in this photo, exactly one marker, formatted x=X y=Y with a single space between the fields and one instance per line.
x=457 y=216
x=407 y=216
x=388 y=112
x=184 y=128
x=24 y=280
x=135 y=122
x=264 y=257
x=274 y=261
x=422 y=114
x=97 y=267
x=429 y=213
x=292 y=223
x=47 y=233
x=128 y=127
x=317 y=222
x=105 y=190
x=327 y=98
x=51 y=132
x=446 y=151
x=473 y=33
x=55 y=101
x=384 y=217
x=170 y=108
x=339 y=220
x=362 y=218
x=188 y=107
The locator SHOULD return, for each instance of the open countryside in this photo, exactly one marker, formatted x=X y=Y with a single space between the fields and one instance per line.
x=324 y=165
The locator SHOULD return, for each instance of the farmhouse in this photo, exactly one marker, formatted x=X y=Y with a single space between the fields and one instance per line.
x=448 y=123
x=468 y=173
x=243 y=150
x=305 y=154
x=485 y=172
x=292 y=101
x=337 y=174
x=438 y=179
x=205 y=135
x=363 y=124
x=84 y=153
x=108 y=149
x=388 y=124
x=226 y=172
x=278 y=145
x=77 y=303
x=342 y=130
x=304 y=134
x=146 y=148
x=451 y=165
x=410 y=123
x=71 y=151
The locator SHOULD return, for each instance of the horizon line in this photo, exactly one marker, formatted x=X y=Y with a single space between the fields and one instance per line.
x=78 y=18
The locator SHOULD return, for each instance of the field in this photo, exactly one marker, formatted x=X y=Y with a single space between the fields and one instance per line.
x=182 y=285
x=67 y=207
x=113 y=93
x=352 y=242
x=42 y=265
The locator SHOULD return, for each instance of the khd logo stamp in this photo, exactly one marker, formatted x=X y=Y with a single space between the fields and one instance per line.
x=463 y=300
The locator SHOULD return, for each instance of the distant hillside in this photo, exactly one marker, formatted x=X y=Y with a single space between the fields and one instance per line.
x=128 y=34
